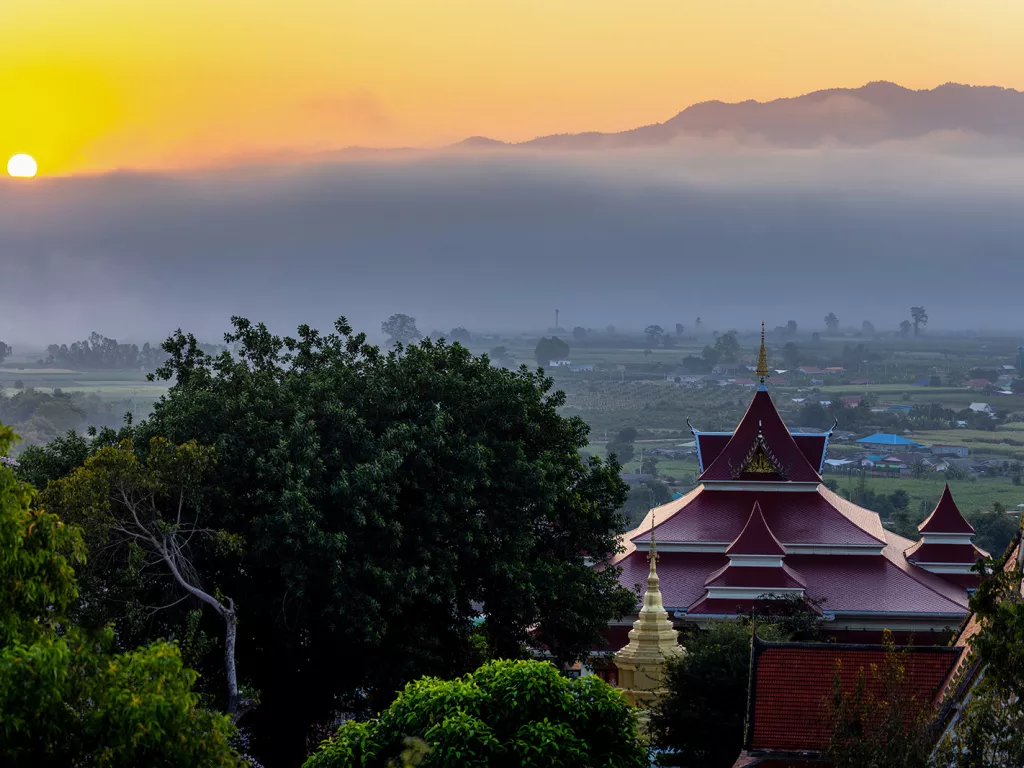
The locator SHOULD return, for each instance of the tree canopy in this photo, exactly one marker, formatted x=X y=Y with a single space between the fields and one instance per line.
x=401 y=328
x=381 y=501
x=506 y=713
x=65 y=698
x=549 y=349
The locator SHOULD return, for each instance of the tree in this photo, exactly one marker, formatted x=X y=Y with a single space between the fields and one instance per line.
x=5 y=351
x=791 y=355
x=815 y=337
x=649 y=465
x=65 y=698
x=500 y=356
x=622 y=445
x=459 y=334
x=993 y=530
x=878 y=723
x=710 y=354
x=700 y=719
x=610 y=330
x=400 y=328
x=679 y=330
x=653 y=334
x=728 y=347
x=791 y=327
x=506 y=713
x=867 y=328
x=550 y=349
x=147 y=510
x=920 y=317
x=987 y=731
x=579 y=333
x=385 y=500
x=697 y=322
x=904 y=328
x=832 y=323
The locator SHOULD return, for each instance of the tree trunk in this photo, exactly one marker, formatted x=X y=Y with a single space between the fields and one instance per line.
x=229 y=659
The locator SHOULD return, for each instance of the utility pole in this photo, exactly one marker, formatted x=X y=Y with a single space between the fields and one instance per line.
x=556 y=318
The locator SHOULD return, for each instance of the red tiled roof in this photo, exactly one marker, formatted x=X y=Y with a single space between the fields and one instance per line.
x=946 y=517
x=760 y=577
x=944 y=553
x=724 y=606
x=850 y=583
x=710 y=445
x=813 y=517
x=792 y=682
x=761 y=418
x=812 y=447
x=756 y=537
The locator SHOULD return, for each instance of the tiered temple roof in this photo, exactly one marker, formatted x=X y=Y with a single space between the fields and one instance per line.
x=760 y=494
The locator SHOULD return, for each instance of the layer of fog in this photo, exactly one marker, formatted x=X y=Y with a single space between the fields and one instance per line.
x=497 y=240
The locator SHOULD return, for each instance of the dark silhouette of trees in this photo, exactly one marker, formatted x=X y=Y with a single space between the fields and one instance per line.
x=401 y=328
x=920 y=317
x=549 y=349
x=832 y=323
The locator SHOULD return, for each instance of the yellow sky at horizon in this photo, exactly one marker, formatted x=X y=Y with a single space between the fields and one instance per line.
x=92 y=85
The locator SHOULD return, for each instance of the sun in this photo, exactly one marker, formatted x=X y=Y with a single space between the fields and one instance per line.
x=22 y=166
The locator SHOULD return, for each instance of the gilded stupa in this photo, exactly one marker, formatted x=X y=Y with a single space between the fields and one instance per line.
x=652 y=642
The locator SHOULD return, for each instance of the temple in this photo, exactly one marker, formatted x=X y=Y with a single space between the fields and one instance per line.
x=760 y=525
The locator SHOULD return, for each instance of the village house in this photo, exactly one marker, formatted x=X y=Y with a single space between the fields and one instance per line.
x=960 y=451
x=885 y=441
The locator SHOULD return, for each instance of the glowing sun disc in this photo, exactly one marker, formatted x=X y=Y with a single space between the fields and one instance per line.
x=22 y=166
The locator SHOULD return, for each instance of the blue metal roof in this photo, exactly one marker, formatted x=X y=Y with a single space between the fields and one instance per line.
x=882 y=438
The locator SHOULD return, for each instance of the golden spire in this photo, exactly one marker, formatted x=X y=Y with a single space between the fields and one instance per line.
x=762 y=359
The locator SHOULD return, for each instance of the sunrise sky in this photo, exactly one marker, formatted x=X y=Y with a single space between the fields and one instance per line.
x=94 y=85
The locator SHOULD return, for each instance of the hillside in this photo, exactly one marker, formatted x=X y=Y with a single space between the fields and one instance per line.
x=875 y=112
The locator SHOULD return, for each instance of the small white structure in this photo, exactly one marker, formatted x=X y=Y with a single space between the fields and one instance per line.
x=559 y=363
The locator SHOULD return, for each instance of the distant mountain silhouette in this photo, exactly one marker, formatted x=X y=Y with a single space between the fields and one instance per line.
x=875 y=112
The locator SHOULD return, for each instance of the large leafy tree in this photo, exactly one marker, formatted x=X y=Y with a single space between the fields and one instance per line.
x=65 y=698
x=919 y=316
x=383 y=501
x=145 y=517
x=507 y=713
x=401 y=328
x=550 y=349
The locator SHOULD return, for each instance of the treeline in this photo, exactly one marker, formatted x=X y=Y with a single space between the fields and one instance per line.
x=39 y=417
x=343 y=519
x=102 y=353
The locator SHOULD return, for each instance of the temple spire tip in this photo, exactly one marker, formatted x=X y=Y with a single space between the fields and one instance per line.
x=762 y=360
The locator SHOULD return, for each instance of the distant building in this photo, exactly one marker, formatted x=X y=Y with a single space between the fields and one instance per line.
x=960 y=451
x=744 y=382
x=582 y=368
x=559 y=363
x=861 y=382
x=850 y=401
x=726 y=368
x=810 y=370
x=982 y=408
x=901 y=408
x=887 y=441
x=978 y=384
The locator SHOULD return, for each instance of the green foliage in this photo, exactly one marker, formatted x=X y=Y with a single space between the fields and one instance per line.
x=987 y=731
x=550 y=349
x=622 y=445
x=993 y=529
x=879 y=725
x=382 y=501
x=100 y=353
x=401 y=328
x=832 y=323
x=43 y=416
x=727 y=347
x=5 y=351
x=1000 y=607
x=65 y=698
x=701 y=718
x=506 y=713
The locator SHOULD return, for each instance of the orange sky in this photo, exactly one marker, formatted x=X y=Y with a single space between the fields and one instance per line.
x=92 y=85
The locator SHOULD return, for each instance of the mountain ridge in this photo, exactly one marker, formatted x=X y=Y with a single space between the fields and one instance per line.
x=874 y=112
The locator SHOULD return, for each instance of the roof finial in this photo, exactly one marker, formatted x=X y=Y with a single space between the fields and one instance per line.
x=653 y=554
x=762 y=360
